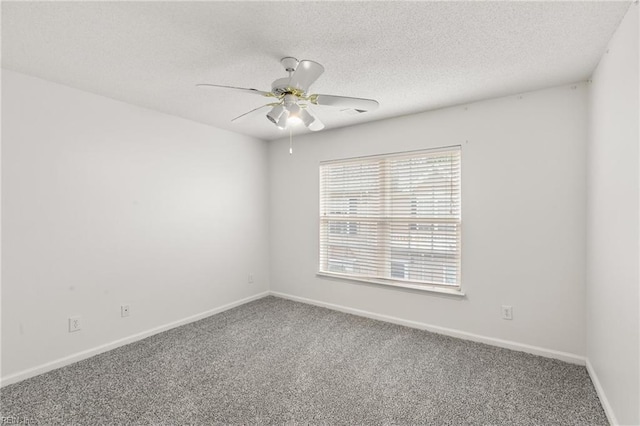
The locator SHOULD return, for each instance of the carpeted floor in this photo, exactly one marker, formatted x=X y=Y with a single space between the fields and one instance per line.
x=274 y=361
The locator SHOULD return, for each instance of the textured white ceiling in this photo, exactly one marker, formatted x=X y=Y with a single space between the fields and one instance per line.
x=410 y=56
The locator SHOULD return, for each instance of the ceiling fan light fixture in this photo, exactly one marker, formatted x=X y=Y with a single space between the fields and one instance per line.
x=306 y=118
x=282 y=122
x=294 y=110
x=276 y=114
x=293 y=121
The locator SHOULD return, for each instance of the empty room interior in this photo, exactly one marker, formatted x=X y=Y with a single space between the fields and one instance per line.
x=412 y=213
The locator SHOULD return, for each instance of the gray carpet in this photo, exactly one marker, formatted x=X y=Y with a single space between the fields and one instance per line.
x=274 y=361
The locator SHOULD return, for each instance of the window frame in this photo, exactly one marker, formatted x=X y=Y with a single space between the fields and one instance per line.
x=449 y=289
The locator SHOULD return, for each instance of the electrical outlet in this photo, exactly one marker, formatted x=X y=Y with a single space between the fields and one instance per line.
x=75 y=324
x=124 y=311
x=250 y=278
x=507 y=312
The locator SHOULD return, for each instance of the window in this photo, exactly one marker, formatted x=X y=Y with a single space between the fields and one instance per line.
x=393 y=219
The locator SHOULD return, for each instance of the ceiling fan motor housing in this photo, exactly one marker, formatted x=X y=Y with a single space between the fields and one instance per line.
x=280 y=86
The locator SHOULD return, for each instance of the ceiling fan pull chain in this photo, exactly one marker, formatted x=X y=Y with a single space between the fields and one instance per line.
x=290 y=140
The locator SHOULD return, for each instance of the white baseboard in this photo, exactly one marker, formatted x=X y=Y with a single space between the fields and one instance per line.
x=61 y=362
x=601 y=395
x=535 y=350
x=549 y=353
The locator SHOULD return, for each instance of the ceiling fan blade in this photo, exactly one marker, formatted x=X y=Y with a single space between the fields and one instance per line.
x=253 y=110
x=305 y=74
x=254 y=91
x=316 y=124
x=357 y=104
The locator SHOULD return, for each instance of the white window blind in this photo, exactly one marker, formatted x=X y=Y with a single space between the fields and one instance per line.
x=392 y=218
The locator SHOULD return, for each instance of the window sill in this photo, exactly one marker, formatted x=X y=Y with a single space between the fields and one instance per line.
x=421 y=287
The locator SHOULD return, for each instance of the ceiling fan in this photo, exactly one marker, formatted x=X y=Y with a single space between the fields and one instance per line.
x=291 y=101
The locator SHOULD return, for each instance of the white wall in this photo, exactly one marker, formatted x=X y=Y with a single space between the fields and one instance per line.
x=613 y=340
x=105 y=203
x=523 y=213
